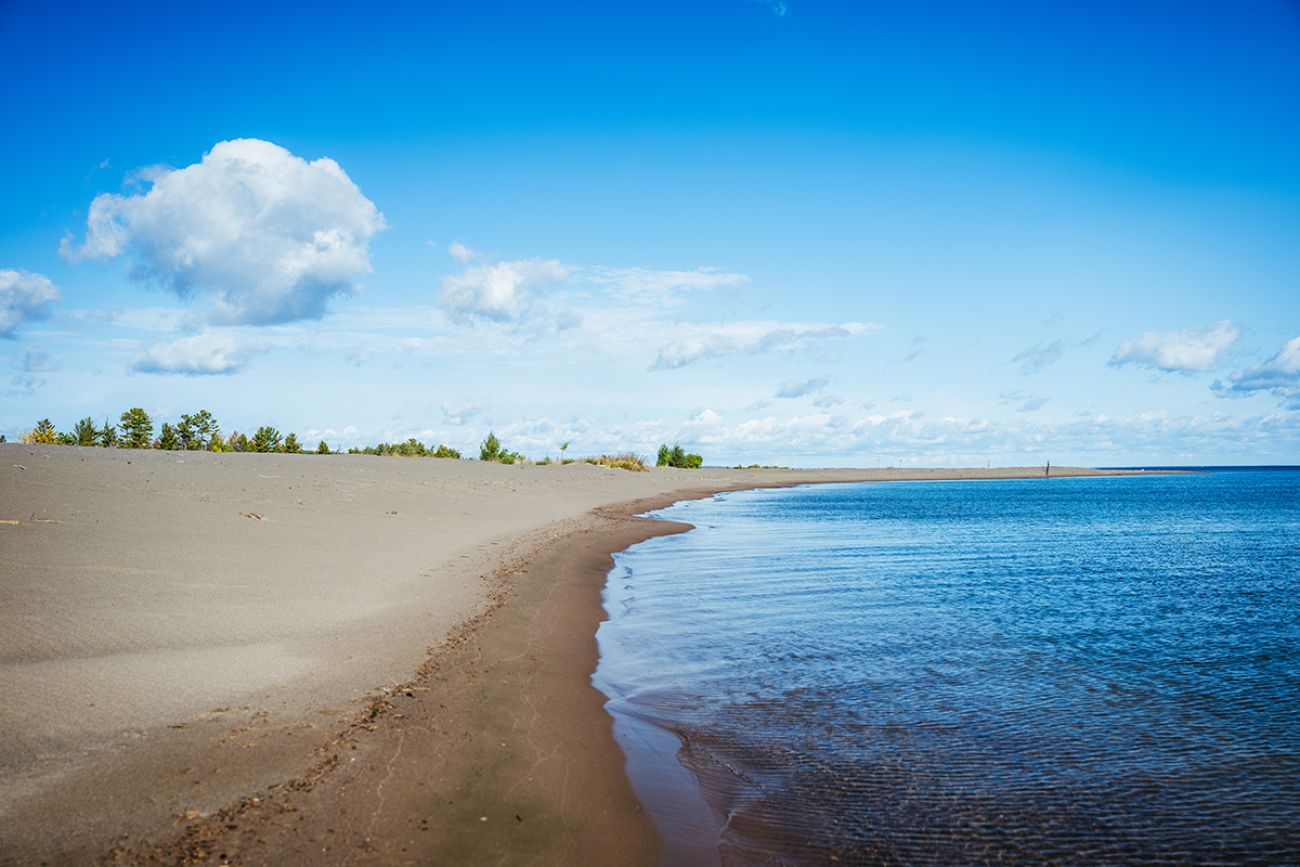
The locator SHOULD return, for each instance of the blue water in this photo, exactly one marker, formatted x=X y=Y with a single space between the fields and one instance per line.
x=1100 y=670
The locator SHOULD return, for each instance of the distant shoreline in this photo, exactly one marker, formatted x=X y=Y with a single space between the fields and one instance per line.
x=215 y=640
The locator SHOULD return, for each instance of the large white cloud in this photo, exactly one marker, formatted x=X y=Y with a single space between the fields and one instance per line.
x=268 y=235
x=1280 y=375
x=24 y=296
x=1190 y=351
x=205 y=354
x=700 y=342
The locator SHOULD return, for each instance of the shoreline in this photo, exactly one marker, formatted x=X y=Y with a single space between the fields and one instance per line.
x=500 y=725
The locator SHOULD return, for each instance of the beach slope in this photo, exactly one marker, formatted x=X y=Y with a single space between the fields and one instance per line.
x=297 y=658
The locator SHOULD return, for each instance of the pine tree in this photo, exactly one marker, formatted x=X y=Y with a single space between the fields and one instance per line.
x=168 y=439
x=85 y=432
x=107 y=435
x=197 y=431
x=665 y=456
x=137 y=428
x=323 y=448
x=291 y=444
x=266 y=439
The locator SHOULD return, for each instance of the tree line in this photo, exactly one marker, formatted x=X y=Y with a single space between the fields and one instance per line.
x=200 y=431
x=197 y=431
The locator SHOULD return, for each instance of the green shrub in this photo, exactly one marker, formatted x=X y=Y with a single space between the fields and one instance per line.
x=678 y=457
x=624 y=461
x=490 y=449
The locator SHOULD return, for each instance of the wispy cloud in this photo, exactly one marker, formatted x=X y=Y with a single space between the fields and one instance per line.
x=654 y=284
x=1044 y=354
x=701 y=342
x=1279 y=375
x=1023 y=402
x=28 y=380
x=24 y=297
x=1038 y=356
x=460 y=415
x=1191 y=351
x=776 y=7
x=801 y=388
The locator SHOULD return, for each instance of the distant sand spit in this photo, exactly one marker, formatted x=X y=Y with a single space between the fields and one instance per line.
x=307 y=659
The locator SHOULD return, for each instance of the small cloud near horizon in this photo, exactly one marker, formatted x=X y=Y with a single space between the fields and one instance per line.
x=204 y=354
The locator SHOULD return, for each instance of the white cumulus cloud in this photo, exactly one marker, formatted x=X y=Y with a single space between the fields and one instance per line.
x=700 y=342
x=498 y=291
x=268 y=235
x=205 y=354
x=24 y=296
x=1189 y=351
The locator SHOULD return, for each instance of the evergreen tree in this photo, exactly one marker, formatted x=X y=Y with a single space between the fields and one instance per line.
x=85 y=432
x=168 y=440
x=137 y=428
x=266 y=439
x=490 y=450
x=197 y=430
x=677 y=457
x=107 y=435
x=291 y=444
x=43 y=434
x=665 y=456
x=323 y=448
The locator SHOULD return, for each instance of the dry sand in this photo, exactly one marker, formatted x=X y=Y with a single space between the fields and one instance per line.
x=310 y=659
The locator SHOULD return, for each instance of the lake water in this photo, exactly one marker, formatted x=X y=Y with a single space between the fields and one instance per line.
x=1100 y=670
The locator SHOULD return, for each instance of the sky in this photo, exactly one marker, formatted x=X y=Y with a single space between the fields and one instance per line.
x=801 y=233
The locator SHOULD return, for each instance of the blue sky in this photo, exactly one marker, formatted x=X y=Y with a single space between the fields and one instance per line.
x=803 y=232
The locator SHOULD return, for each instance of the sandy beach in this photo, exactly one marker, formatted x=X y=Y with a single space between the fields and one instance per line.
x=290 y=659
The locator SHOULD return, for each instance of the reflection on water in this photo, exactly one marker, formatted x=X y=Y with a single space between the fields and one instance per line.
x=1074 y=670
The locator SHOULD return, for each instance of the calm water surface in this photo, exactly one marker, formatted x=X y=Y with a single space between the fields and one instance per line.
x=1069 y=671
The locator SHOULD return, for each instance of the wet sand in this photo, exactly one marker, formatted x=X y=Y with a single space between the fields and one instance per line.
x=305 y=659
